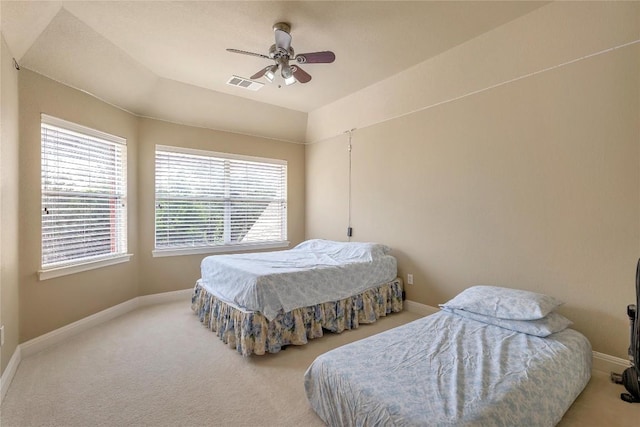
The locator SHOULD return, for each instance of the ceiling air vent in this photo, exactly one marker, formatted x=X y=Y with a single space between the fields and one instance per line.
x=244 y=83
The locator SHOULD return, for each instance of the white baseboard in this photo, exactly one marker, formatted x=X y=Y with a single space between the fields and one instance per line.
x=55 y=337
x=601 y=362
x=164 y=297
x=421 y=309
x=605 y=363
x=9 y=373
x=51 y=338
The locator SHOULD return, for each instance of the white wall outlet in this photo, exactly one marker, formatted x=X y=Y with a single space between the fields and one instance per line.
x=409 y=279
x=1 y=335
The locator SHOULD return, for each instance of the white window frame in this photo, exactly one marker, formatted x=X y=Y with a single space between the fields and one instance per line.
x=119 y=255
x=218 y=248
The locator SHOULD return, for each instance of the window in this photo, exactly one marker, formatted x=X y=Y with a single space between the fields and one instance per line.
x=208 y=201
x=84 y=192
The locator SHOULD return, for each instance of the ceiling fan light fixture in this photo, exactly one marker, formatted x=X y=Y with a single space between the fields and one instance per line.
x=271 y=73
x=287 y=75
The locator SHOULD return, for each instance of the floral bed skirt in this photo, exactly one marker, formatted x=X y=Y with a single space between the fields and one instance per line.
x=249 y=332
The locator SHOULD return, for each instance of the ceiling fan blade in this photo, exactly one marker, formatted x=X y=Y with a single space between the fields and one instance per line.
x=244 y=52
x=283 y=40
x=323 y=57
x=300 y=75
x=260 y=73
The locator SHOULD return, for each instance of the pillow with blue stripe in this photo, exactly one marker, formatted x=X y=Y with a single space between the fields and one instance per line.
x=504 y=303
x=550 y=324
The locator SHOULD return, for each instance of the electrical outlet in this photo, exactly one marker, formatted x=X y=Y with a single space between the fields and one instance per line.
x=1 y=335
x=409 y=279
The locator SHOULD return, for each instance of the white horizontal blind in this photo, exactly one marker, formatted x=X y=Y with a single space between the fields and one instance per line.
x=84 y=188
x=212 y=199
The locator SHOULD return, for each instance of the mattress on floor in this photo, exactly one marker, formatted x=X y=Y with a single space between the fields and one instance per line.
x=446 y=370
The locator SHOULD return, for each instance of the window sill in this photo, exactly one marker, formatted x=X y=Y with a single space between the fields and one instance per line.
x=51 y=273
x=217 y=249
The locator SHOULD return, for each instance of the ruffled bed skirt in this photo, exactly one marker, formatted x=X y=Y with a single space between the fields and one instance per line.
x=249 y=332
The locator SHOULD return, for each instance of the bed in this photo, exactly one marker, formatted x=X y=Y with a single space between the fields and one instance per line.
x=259 y=303
x=450 y=368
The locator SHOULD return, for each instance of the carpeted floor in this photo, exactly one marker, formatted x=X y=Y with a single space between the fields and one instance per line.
x=158 y=366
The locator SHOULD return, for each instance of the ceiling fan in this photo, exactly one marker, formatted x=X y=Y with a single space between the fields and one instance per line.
x=282 y=53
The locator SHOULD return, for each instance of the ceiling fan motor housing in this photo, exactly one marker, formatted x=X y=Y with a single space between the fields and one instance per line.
x=275 y=52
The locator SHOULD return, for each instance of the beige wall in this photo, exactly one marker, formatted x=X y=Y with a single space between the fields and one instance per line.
x=50 y=304
x=8 y=206
x=162 y=274
x=545 y=38
x=532 y=184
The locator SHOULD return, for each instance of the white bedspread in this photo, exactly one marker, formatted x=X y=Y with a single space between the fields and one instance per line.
x=445 y=370
x=313 y=272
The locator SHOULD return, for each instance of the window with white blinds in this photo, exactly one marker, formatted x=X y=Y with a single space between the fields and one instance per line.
x=206 y=199
x=84 y=192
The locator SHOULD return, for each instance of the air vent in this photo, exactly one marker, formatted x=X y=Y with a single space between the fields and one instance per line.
x=244 y=83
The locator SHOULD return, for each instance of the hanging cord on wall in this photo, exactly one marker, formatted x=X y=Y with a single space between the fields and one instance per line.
x=349 y=148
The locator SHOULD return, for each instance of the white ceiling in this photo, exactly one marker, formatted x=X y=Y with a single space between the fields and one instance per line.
x=123 y=51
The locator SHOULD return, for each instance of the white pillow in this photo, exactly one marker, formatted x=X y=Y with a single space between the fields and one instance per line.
x=550 y=324
x=504 y=303
x=346 y=250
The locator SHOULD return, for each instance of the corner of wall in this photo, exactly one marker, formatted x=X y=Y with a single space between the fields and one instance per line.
x=9 y=288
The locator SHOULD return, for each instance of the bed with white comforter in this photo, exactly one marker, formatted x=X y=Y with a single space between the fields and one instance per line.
x=260 y=302
x=449 y=370
x=313 y=272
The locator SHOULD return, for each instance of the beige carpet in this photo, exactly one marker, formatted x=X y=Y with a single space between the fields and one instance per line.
x=157 y=366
